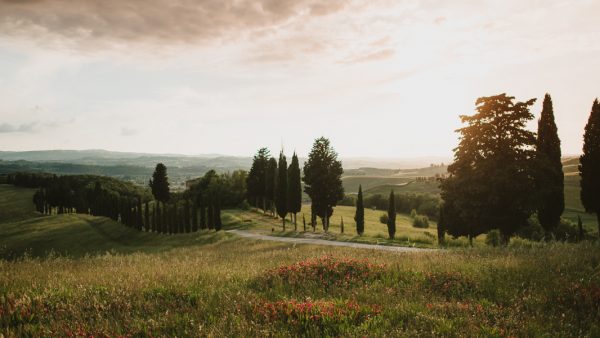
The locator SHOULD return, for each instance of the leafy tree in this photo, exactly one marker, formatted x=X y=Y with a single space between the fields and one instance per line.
x=490 y=183
x=159 y=184
x=255 y=180
x=323 y=179
x=549 y=176
x=391 y=223
x=281 y=188
x=359 y=217
x=294 y=187
x=589 y=164
x=271 y=184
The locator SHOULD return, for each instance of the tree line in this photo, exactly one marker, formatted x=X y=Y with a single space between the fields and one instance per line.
x=503 y=174
x=276 y=188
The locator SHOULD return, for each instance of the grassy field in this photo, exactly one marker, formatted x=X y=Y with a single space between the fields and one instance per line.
x=119 y=282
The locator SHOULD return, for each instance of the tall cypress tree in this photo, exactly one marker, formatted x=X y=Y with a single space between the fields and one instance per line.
x=186 y=216
x=589 y=164
x=271 y=184
x=147 y=216
x=549 y=174
x=194 y=215
x=391 y=224
x=294 y=188
x=255 y=181
x=359 y=217
x=282 y=189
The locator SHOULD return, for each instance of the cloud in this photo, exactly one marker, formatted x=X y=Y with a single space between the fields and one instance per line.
x=22 y=128
x=152 y=21
x=373 y=56
x=125 y=131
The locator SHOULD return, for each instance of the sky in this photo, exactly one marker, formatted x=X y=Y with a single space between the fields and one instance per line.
x=379 y=78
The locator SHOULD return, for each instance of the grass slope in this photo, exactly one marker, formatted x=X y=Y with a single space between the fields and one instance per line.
x=16 y=203
x=119 y=282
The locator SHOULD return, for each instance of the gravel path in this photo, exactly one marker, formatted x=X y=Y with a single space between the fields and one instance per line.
x=316 y=241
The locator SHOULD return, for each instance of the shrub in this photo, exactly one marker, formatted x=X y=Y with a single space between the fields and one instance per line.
x=566 y=231
x=413 y=213
x=421 y=222
x=533 y=231
x=493 y=238
x=383 y=218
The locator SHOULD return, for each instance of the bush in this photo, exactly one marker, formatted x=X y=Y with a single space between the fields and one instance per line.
x=348 y=200
x=384 y=218
x=493 y=238
x=421 y=222
x=566 y=231
x=413 y=213
x=533 y=231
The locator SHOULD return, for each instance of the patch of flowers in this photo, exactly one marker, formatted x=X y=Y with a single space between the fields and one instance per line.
x=309 y=315
x=450 y=284
x=326 y=271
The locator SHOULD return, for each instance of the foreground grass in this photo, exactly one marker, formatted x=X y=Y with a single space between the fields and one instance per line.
x=220 y=288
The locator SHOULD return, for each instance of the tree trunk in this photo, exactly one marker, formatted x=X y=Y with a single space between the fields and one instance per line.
x=598 y=217
x=283 y=222
x=470 y=240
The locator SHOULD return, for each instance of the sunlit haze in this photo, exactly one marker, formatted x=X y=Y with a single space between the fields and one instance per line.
x=379 y=78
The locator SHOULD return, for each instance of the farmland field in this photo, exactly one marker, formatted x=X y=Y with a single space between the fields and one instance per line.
x=104 y=279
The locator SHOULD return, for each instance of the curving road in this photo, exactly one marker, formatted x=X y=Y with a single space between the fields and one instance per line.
x=315 y=241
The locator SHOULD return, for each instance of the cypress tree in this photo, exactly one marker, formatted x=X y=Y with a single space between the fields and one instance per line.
x=217 y=215
x=255 y=181
x=194 y=215
x=441 y=231
x=304 y=222
x=391 y=224
x=203 y=223
x=589 y=164
x=549 y=176
x=210 y=217
x=359 y=217
x=294 y=188
x=271 y=184
x=147 y=216
x=186 y=216
x=140 y=222
x=158 y=218
x=281 y=188
x=342 y=224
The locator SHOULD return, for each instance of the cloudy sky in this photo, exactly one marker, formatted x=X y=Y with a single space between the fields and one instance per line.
x=380 y=78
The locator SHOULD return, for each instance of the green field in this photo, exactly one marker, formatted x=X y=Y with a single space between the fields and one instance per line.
x=77 y=275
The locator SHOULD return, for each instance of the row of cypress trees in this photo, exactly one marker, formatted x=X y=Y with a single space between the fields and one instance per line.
x=274 y=186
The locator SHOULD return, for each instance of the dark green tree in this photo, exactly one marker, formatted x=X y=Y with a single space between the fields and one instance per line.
x=549 y=176
x=271 y=184
x=147 y=223
x=589 y=164
x=210 y=218
x=490 y=183
x=194 y=215
x=186 y=216
x=441 y=227
x=255 y=181
x=323 y=179
x=359 y=217
x=139 y=220
x=281 y=193
x=391 y=223
x=294 y=188
x=159 y=184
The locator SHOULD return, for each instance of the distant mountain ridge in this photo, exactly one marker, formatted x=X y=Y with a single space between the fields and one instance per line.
x=220 y=161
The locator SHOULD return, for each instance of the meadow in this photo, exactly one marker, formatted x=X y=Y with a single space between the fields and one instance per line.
x=94 y=277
